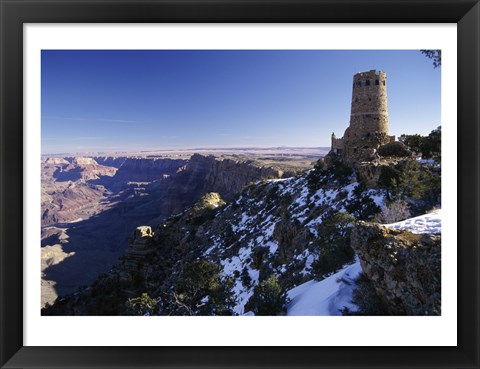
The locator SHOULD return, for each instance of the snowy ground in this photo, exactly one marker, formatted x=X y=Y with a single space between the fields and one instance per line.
x=330 y=295
x=428 y=223
x=326 y=297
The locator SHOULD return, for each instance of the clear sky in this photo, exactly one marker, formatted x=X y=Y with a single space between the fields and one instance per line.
x=129 y=100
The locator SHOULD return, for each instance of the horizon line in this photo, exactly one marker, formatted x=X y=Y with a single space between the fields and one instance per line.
x=189 y=149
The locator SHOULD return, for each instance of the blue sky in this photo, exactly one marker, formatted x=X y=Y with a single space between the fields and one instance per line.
x=128 y=100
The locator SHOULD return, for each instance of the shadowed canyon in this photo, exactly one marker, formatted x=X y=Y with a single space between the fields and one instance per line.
x=91 y=205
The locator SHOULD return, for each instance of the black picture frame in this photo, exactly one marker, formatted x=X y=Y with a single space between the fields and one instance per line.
x=15 y=13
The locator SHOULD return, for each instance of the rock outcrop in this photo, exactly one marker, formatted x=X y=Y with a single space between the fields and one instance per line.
x=404 y=267
x=370 y=172
x=225 y=176
x=144 y=191
x=82 y=168
x=147 y=169
x=394 y=149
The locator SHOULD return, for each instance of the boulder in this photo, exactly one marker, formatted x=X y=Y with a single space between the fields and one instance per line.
x=395 y=149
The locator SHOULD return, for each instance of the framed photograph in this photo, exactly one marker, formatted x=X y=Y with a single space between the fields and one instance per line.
x=196 y=208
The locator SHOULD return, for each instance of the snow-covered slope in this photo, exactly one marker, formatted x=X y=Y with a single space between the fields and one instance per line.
x=210 y=259
x=326 y=297
x=330 y=295
x=277 y=222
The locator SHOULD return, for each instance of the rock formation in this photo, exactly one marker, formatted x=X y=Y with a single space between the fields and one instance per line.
x=404 y=267
x=83 y=168
x=147 y=169
x=144 y=191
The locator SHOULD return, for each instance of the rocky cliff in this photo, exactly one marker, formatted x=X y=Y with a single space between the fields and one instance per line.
x=273 y=227
x=404 y=267
x=147 y=169
x=142 y=192
x=225 y=176
x=83 y=168
x=212 y=257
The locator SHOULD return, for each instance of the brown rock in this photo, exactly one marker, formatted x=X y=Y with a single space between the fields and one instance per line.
x=404 y=267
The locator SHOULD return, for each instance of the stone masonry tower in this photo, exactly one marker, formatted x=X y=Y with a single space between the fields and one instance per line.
x=368 y=128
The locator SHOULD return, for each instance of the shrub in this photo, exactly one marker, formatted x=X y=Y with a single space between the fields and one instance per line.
x=200 y=290
x=268 y=298
x=337 y=172
x=245 y=277
x=366 y=299
x=418 y=183
x=432 y=145
x=412 y=182
x=142 y=305
x=259 y=253
x=333 y=242
x=361 y=205
x=394 y=212
x=341 y=172
x=427 y=146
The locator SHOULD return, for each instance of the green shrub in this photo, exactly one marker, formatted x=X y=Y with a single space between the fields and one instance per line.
x=200 y=290
x=419 y=183
x=245 y=277
x=338 y=173
x=361 y=205
x=429 y=147
x=268 y=298
x=142 y=305
x=333 y=244
x=432 y=145
x=366 y=299
x=341 y=172
x=414 y=183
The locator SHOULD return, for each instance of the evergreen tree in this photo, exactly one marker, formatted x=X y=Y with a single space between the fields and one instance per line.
x=201 y=290
x=268 y=298
x=333 y=244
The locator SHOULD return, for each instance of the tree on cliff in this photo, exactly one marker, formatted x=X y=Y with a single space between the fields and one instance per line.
x=435 y=55
x=201 y=290
x=430 y=147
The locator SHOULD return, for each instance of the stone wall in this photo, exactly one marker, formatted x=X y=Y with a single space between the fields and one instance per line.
x=337 y=144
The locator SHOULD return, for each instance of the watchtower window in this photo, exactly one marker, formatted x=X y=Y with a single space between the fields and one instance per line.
x=376 y=82
x=367 y=82
x=359 y=83
x=353 y=84
x=383 y=83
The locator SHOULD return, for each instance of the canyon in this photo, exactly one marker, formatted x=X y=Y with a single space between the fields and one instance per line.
x=91 y=204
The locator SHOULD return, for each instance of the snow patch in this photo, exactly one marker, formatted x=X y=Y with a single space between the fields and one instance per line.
x=326 y=297
x=427 y=223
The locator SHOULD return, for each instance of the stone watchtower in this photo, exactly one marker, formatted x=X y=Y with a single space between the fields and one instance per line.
x=368 y=128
